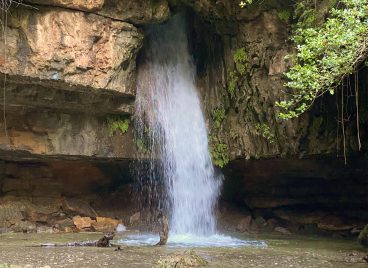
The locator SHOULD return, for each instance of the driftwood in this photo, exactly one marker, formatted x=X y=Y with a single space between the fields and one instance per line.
x=164 y=233
x=103 y=242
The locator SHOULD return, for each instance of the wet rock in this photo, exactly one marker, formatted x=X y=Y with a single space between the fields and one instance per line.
x=64 y=224
x=35 y=216
x=120 y=228
x=271 y=224
x=77 y=206
x=11 y=213
x=260 y=221
x=105 y=224
x=333 y=223
x=356 y=231
x=24 y=226
x=363 y=236
x=282 y=230
x=83 y=223
x=244 y=224
x=45 y=230
x=135 y=218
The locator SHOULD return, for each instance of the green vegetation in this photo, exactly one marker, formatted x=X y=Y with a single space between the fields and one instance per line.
x=245 y=3
x=363 y=236
x=117 y=123
x=241 y=58
x=218 y=116
x=284 y=15
x=325 y=54
x=241 y=66
x=265 y=131
x=219 y=154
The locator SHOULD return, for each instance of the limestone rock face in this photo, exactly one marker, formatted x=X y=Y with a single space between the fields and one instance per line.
x=137 y=12
x=71 y=48
x=87 y=5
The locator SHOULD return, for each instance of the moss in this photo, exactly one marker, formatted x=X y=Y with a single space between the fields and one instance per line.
x=241 y=58
x=219 y=154
x=117 y=123
x=218 y=116
x=284 y=15
x=232 y=83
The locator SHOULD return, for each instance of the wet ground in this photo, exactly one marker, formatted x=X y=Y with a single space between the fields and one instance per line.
x=21 y=250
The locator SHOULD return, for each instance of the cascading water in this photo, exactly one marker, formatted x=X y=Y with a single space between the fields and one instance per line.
x=168 y=103
x=171 y=127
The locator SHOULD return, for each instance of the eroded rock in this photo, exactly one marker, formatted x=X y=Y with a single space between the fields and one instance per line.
x=87 y=5
x=103 y=224
x=70 y=48
x=282 y=230
x=244 y=224
x=83 y=223
x=135 y=218
x=77 y=206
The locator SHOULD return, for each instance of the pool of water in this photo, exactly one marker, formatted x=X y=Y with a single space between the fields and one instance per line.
x=190 y=241
x=281 y=251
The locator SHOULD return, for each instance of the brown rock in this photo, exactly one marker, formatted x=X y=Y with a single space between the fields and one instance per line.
x=135 y=218
x=83 y=223
x=282 y=230
x=105 y=224
x=60 y=47
x=87 y=5
x=138 y=11
x=24 y=226
x=244 y=224
x=11 y=213
x=64 y=224
x=333 y=223
x=35 y=216
x=77 y=206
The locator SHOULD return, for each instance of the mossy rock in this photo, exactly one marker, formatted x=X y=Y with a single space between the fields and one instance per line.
x=363 y=236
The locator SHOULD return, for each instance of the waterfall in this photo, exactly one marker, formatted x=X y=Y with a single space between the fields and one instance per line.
x=169 y=115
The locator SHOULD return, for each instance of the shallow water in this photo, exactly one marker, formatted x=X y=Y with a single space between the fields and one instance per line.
x=281 y=251
x=190 y=241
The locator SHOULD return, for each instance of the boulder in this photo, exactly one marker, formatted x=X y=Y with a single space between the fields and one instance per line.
x=77 y=206
x=24 y=227
x=64 y=225
x=83 y=223
x=333 y=223
x=260 y=221
x=105 y=224
x=363 y=236
x=282 y=230
x=244 y=224
x=135 y=218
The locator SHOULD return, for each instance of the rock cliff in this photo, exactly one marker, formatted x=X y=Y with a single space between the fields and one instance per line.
x=69 y=69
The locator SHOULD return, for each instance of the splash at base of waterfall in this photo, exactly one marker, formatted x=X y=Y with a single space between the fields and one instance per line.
x=189 y=240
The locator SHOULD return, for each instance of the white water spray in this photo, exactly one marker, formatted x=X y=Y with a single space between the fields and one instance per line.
x=168 y=103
